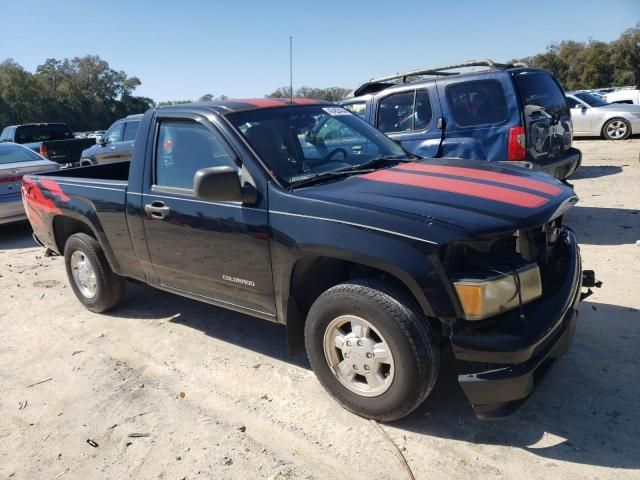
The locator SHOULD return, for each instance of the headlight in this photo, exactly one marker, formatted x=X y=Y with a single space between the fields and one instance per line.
x=482 y=298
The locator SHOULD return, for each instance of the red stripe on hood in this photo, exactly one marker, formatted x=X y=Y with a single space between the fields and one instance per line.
x=462 y=187
x=478 y=174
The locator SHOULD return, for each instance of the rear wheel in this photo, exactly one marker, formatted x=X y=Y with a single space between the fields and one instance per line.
x=616 y=129
x=90 y=275
x=371 y=349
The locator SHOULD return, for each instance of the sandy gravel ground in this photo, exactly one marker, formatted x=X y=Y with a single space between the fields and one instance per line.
x=167 y=388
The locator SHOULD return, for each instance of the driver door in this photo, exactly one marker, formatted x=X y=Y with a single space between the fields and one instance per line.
x=216 y=251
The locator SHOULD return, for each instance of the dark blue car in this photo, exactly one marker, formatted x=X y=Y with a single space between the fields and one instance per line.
x=499 y=113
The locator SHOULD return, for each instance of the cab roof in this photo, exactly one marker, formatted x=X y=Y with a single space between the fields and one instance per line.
x=245 y=104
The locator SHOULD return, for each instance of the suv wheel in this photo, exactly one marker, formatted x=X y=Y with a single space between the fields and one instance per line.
x=616 y=129
x=371 y=349
x=90 y=275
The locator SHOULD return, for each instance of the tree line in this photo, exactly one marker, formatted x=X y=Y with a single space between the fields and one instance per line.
x=593 y=64
x=84 y=92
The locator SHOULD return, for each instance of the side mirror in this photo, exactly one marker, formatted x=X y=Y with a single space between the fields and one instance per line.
x=222 y=184
x=100 y=140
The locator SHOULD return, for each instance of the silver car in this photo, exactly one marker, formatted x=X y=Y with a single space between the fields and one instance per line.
x=593 y=116
x=16 y=161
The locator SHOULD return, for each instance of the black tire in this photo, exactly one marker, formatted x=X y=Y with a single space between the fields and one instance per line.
x=85 y=162
x=608 y=135
x=110 y=287
x=406 y=332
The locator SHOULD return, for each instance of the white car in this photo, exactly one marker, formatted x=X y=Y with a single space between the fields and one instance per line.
x=624 y=95
x=593 y=117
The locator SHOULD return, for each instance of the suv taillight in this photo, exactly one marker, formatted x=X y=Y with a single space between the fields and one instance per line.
x=44 y=152
x=517 y=146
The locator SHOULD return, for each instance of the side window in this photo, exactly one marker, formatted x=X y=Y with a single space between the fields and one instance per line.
x=358 y=108
x=395 y=113
x=183 y=147
x=424 y=114
x=405 y=112
x=114 y=134
x=480 y=102
x=130 y=131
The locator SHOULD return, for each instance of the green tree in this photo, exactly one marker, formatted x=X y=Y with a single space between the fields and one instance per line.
x=331 y=94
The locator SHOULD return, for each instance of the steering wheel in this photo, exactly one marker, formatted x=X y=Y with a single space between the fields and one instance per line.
x=334 y=152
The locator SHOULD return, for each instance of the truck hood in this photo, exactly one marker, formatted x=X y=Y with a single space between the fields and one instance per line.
x=472 y=197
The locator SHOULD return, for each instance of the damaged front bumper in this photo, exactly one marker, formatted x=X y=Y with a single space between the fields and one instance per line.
x=502 y=360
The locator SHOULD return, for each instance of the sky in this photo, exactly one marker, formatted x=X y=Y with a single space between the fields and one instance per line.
x=183 y=49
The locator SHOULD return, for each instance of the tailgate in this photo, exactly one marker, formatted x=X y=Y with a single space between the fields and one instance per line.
x=66 y=151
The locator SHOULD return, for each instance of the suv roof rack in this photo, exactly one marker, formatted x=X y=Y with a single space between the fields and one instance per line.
x=377 y=84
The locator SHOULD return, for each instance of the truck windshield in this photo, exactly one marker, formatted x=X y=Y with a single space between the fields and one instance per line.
x=42 y=133
x=590 y=99
x=301 y=142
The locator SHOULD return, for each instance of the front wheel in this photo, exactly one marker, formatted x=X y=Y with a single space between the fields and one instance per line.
x=90 y=275
x=371 y=349
x=616 y=129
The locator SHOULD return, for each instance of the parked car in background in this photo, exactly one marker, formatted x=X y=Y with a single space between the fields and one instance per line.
x=502 y=112
x=372 y=258
x=54 y=141
x=594 y=117
x=116 y=145
x=624 y=95
x=15 y=162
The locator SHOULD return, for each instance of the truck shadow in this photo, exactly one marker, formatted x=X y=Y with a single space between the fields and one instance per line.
x=604 y=226
x=585 y=412
x=244 y=331
x=593 y=171
x=16 y=235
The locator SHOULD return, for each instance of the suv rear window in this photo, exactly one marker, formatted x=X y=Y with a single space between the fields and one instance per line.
x=480 y=102
x=42 y=133
x=540 y=90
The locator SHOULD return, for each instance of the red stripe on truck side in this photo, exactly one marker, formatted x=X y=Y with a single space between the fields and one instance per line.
x=461 y=187
x=478 y=174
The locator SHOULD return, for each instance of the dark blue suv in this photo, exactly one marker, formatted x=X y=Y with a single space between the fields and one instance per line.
x=501 y=112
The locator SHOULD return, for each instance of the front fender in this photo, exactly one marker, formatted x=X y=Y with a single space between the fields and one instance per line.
x=412 y=262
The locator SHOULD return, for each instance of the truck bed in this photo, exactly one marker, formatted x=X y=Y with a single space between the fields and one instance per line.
x=110 y=171
x=95 y=196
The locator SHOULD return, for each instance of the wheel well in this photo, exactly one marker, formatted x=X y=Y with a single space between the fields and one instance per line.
x=314 y=275
x=64 y=227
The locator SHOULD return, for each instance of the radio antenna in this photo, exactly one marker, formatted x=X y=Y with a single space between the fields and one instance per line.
x=290 y=69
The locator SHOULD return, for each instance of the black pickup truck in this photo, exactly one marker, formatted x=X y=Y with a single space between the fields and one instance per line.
x=372 y=258
x=53 y=141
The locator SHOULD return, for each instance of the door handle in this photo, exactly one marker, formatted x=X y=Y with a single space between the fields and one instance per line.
x=112 y=148
x=157 y=209
x=356 y=149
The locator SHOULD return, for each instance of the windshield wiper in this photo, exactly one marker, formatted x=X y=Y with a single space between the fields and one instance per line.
x=374 y=162
x=366 y=167
x=330 y=174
